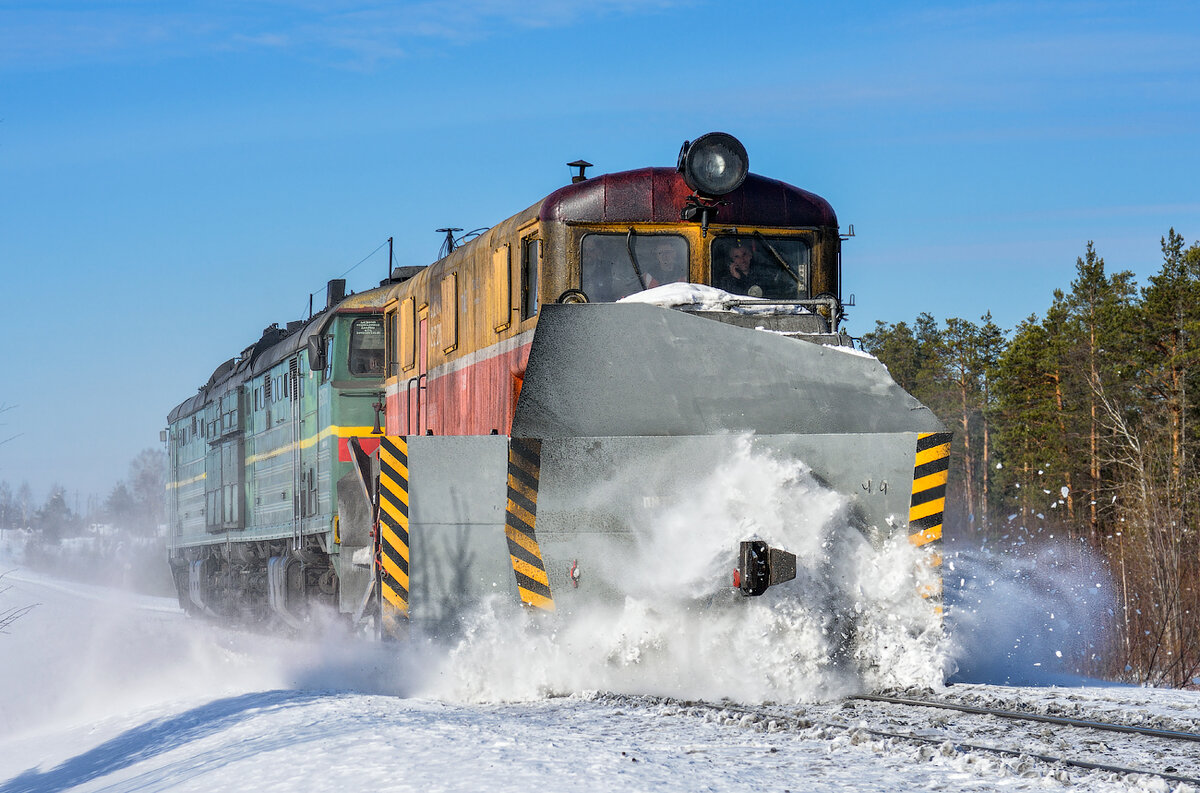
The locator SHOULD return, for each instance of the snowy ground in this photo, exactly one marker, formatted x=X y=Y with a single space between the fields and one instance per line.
x=105 y=691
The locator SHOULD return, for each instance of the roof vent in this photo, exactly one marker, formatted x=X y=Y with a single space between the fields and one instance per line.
x=582 y=165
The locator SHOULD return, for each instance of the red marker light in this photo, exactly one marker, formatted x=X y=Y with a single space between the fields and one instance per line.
x=737 y=578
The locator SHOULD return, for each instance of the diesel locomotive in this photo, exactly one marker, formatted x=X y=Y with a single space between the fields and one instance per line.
x=478 y=426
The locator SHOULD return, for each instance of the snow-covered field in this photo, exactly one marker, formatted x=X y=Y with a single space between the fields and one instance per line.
x=107 y=691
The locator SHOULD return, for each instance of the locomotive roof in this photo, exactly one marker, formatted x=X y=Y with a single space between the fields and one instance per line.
x=657 y=195
x=275 y=345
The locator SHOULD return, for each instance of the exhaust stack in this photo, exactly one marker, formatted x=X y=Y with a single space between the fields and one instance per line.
x=335 y=292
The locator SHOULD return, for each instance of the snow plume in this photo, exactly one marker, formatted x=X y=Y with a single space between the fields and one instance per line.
x=851 y=620
x=1029 y=617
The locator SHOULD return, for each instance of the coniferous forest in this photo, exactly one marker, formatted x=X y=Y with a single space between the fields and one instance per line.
x=1083 y=424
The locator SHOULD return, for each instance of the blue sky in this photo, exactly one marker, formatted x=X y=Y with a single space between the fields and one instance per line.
x=176 y=176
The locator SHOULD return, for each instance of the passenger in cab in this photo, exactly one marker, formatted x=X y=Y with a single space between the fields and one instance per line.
x=669 y=266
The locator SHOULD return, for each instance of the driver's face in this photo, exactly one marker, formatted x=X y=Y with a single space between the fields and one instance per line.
x=739 y=262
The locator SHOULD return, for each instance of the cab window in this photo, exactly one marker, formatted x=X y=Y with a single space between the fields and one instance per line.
x=366 y=347
x=760 y=266
x=608 y=272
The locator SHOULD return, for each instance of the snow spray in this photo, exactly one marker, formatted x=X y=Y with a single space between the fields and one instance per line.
x=1034 y=615
x=852 y=619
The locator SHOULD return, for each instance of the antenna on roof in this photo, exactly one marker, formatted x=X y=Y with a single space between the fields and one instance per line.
x=448 y=243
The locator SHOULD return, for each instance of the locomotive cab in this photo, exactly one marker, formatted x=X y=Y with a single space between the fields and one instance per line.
x=707 y=222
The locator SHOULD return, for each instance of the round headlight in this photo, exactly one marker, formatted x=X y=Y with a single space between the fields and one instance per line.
x=714 y=164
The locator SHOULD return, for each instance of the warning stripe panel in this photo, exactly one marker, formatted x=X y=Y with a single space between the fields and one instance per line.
x=927 y=522
x=521 y=547
x=924 y=496
x=925 y=510
x=525 y=582
x=936 y=453
x=393 y=468
x=392 y=557
x=395 y=545
x=529 y=570
x=526 y=452
x=395 y=447
x=394 y=598
x=927 y=440
x=923 y=483
x=927 y=536
x=527 y=489
x=396 y=574
x=522 y=473
x=520 y=518
x=390 y=512
x=394 y=490
x=931 y=465
x=537 y=601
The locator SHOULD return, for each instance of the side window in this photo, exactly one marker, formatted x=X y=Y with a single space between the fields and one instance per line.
x=609 y=273
x=391 y=342
x=449 y=313
x=501 y=288
x=408 y=340
x=530 y=253
x=366 y=347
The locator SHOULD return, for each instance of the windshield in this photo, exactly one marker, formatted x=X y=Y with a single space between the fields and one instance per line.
x=608 y=273
x=758 y=266
x=366 y=347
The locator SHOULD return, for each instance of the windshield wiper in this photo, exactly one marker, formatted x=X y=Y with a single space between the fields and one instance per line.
x=633 y=258
x=778 y=259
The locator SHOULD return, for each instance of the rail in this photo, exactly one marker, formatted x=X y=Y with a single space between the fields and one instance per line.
x=798 y=722
x=1038 y=717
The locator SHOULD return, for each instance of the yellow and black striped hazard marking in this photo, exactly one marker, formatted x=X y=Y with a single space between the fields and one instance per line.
x=393 y=533
x=929 y=487
x=930 y=470
x=524 y=469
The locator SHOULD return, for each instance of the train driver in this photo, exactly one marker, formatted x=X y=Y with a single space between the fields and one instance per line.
x=734 y=276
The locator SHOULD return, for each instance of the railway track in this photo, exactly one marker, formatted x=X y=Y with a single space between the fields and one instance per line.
x=1164 y=738
x=988 y=731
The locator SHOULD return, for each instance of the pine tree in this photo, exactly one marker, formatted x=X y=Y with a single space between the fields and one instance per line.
x=1100 y=310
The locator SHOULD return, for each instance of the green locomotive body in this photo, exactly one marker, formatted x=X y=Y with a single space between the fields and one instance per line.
x=255 y=458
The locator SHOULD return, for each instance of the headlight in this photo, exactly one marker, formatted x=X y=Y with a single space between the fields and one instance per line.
x=714 y=164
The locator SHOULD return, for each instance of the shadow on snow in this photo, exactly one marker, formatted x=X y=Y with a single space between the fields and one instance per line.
x=154 y=738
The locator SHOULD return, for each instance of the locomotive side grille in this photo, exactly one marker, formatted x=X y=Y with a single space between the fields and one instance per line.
x=393 y=532
x=524 y=470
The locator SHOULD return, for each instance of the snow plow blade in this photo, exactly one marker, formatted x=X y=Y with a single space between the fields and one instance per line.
x=629 y=415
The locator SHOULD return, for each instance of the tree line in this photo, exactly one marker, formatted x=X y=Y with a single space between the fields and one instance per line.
x=135 y=504
x=1082 y=422
x=116 y=540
